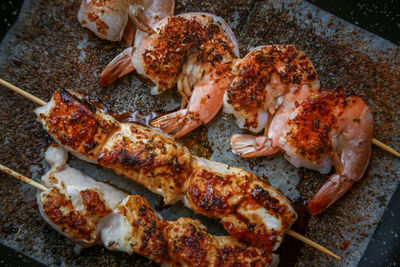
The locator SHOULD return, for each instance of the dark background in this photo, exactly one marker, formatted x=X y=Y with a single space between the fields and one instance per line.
x=381 y=17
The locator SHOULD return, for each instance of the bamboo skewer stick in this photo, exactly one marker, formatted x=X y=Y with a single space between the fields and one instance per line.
x=289 y=232
x=385 y=147
x=22 y=92
x=42 y=102
x=312 y=243
x=22 y=178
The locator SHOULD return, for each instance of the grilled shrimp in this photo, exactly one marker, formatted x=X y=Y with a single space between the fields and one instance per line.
x=255 y=146
x=326 y=129
x=194 y=51
x=260 y=81
x=115 y=20
x=330 y=129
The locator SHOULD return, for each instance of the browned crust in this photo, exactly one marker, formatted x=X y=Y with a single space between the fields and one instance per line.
x=78 y=224
x=178 y=39
x=209 y=194
x=74 y=123
x=149 y=227
x=153 y=160
x=94 y=204
x=204 y=194
x=310 y=129
x=253 y=73
x=241 y=255
x=189 y=243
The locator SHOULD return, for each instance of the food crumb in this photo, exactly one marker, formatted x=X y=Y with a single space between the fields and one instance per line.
x=344 y=245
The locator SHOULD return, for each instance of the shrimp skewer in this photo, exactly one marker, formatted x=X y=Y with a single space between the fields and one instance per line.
x=271 y=88
x=194 y=51
x=325 y=129
x=115 y=20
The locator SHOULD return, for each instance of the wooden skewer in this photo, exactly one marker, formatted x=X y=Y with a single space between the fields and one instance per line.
x=312 y=243
x=289 y=232
x=41 y=102
x=22 y=92
x=385 y=147
x=22 y=178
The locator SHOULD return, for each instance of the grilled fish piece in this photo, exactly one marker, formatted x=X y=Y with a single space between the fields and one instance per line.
x=91 y=212
x=140 y=153
x=249 y=208
x=191 y=245
x=74 y=203
x=134 y=227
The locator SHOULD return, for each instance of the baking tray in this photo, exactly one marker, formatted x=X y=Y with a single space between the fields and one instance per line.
x=47 y=49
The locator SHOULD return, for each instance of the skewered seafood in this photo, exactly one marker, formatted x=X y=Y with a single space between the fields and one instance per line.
x=115 y=20
x=268 y=90
x=326 y=129
x=194 y=51
x=249 y=209
x=260 y=81
x=91 y=212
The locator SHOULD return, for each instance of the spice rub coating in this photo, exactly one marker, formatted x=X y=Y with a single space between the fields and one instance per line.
x=150 y=158
x=316 y=120
x=249 y=209
x=191 y=245
x=80 y=224
x=145 y=155
x=262 y=78
x=76 y=124
x=179 y=37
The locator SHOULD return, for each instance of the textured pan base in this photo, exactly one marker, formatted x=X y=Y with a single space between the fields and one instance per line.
x=47 y=49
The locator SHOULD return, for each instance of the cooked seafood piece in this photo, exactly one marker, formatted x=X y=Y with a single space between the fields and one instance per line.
x=115 y=20
x=145 y=155
x=74 y=203
x=248 y=208
x=330 y=129
x=91 y=212
x=327 y=128
x=190 y=245
x=268 y=144
x=194 y=51
x=260 y=81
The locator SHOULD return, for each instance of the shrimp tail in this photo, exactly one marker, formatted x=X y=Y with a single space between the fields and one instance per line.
x=333 y=189
x=138 y=20
x=120 y=66
x=129 y=33
x=252 y=146
x=177 y=123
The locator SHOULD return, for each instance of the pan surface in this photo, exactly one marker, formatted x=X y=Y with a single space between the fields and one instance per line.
x=47 y=49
